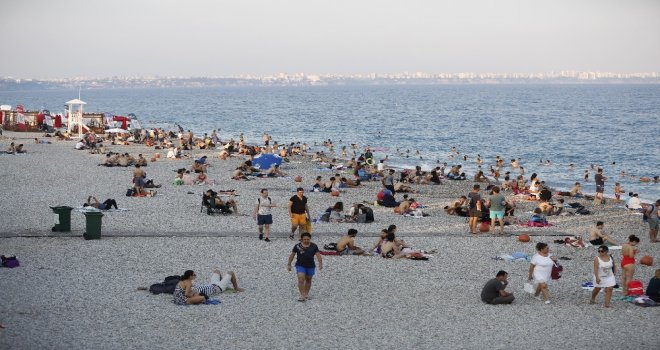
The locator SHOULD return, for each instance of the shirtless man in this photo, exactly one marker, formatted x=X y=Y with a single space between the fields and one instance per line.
x=597 y=237
x=346 y=244
x=138 y=178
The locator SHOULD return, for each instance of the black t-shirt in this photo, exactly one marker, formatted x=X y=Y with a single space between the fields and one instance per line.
x=305 y=255
x=474 y=198
x=491 y=290
x=599 y=180
x=298 y=206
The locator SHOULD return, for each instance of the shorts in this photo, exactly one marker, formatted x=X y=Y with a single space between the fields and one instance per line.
x=264 y=219
x=653 y=224
x=474 y=213
x=348 y=251
x=496 y=214
x=600 y=188
x=298 y=219
x=223 y=283
x=308 y=271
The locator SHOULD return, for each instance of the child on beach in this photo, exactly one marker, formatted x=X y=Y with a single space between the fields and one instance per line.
x=617 y=192
x=304 y=252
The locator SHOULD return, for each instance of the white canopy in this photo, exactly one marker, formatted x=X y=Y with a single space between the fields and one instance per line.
x=76 y=102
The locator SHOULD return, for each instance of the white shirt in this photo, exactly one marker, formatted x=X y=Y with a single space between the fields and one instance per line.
x=634 y=203
x=542 y=268
x=80 y=145
x=262 y=203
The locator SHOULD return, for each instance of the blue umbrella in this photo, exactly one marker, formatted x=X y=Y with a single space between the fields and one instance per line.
x=265 y=161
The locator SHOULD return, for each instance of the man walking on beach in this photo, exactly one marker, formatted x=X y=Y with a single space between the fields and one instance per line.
x=475 y=208
x=600 y=186
x=262 y=214
x=298 y=211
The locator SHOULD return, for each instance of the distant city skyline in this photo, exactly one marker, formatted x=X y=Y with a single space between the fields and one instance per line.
x=204 y=38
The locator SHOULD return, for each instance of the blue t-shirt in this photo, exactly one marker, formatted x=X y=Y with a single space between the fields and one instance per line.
x=305 y=255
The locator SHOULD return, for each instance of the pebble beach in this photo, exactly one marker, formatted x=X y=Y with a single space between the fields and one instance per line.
x=73 y=293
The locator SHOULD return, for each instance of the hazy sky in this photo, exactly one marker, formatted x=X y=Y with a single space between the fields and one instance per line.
x=67 y=38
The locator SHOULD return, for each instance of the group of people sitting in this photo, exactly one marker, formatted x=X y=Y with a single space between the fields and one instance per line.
x=123 y=160
x=13 y=149
x=388 y=246
x=358 y=213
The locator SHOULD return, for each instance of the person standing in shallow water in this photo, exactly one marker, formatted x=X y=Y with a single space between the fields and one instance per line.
x=305 y=252
x=600 y=186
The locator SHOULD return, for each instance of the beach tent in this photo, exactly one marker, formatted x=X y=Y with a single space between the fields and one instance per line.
x=123 y=120
x=265 y=161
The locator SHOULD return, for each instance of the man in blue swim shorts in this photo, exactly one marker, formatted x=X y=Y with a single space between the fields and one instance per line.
x=497 y=205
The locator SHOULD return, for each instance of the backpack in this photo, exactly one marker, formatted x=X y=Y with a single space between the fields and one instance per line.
x=166 y=286
x=650 y=208
x=330 y=246
x=10 y=262
x=635 y=287
x=129 y=192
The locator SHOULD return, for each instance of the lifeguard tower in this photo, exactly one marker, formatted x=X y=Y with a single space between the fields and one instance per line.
x=75 y=109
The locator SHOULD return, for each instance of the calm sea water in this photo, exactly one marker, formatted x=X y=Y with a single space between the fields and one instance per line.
x=579 y=124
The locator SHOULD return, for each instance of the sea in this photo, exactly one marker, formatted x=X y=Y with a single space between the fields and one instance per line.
x=613 y=126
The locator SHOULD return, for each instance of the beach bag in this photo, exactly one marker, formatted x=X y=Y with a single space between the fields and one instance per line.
x=330 y=246
x=635 y=287
x=529 y=288
x=129 y=192
x=556 y=271
x=166 y=286
x=308 y=226
x=10 y=262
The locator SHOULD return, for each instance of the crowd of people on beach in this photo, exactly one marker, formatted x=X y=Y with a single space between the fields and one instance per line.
x=496 y=208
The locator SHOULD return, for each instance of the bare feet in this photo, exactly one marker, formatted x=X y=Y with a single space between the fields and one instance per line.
x=238 y=290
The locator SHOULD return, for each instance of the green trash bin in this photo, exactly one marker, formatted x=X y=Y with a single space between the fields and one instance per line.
x=64 y=219
x=93 y=225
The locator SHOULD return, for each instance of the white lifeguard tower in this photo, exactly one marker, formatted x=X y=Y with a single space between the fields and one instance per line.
x=75 y=110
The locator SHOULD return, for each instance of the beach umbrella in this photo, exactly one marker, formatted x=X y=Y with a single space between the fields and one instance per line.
x=265 y=161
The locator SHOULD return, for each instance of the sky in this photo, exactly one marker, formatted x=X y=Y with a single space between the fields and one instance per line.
x=91 y=38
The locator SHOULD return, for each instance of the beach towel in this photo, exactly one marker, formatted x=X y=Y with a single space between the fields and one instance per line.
x=92 y=209
x=329 y=252
x=536 y=224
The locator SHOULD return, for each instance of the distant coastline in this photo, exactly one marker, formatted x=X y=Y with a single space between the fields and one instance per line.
x=301 y=79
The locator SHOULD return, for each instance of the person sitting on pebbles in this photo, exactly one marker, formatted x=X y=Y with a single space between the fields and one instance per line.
x=597 y=237
x=346 y=244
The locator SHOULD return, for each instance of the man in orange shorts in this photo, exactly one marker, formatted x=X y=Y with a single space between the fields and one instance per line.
x=298 y=211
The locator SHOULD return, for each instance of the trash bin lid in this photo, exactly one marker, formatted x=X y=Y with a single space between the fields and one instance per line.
x=92 y=213
x=61 y=207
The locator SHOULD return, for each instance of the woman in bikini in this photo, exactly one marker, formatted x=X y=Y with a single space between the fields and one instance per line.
x=628 y=251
